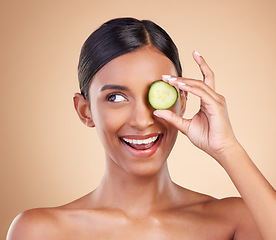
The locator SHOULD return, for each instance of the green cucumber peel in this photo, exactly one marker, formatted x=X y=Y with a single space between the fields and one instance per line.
x=162 y=95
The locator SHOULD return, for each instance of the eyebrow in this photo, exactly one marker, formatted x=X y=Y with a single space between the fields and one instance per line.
x=113 y=86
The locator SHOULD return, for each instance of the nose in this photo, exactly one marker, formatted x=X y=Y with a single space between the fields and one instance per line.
x=142 y=115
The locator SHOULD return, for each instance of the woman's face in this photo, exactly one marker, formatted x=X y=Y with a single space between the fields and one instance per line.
x=135 y=141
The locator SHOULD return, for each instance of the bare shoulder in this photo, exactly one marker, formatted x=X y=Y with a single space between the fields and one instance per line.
x=227 y=214
x=232 y=204
x=236 y=212
x=232 y=208
x=34 y=224
x=56 y=223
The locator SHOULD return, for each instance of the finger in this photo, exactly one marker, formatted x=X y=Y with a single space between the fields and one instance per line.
x=180 y=123
x=177 y=81
x=208 y=74
x=206 y=98
x=172 y=80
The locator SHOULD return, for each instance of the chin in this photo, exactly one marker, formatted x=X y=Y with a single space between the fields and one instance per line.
x=146 y=170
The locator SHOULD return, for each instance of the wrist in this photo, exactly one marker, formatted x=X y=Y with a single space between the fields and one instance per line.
x=230 y=153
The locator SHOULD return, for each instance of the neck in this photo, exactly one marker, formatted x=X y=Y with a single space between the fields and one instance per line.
x=135 y=195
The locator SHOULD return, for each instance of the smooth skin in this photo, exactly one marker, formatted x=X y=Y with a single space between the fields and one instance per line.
x=136 y=198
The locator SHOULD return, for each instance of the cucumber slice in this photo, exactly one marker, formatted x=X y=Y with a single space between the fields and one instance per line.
x=162 y=95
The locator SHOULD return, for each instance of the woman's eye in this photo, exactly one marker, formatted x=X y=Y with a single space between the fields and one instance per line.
x=116 y=98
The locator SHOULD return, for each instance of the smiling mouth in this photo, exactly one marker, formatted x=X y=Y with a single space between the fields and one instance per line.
x=141 y=144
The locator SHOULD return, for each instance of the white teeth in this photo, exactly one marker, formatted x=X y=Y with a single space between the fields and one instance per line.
x=137 y=141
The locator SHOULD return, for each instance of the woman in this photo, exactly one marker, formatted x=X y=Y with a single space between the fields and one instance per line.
x=136 y=198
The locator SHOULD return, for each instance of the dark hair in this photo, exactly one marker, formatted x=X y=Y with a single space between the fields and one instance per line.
x=117 y=37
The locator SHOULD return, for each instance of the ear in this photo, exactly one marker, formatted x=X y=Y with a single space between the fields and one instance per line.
x=82 y=107
x=183 y=98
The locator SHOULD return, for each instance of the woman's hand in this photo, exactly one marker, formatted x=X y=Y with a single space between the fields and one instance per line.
x=211 y=131
x=210 y=128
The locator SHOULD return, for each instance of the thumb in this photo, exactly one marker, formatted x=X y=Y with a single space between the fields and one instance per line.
x=180 y=123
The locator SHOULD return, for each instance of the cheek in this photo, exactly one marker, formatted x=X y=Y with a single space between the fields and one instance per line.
x=107 y=125
x=109 y=120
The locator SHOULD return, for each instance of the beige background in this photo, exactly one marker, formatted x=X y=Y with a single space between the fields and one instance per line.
x=48 y=157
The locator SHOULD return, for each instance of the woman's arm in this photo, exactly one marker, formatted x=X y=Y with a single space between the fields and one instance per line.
x=211 y=131
x=257 y=193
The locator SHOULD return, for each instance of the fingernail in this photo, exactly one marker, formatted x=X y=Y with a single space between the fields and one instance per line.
x=172 y=78
x=181 y=83
x=165 y=77
x=156 y=114
x=197 y=53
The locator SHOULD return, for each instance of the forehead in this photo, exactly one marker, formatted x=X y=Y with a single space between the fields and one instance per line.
x=144 y=65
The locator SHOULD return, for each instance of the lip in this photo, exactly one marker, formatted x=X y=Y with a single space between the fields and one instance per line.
x=142 y=153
